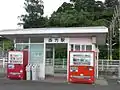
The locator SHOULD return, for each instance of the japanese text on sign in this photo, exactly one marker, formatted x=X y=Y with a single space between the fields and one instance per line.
x=56 y=40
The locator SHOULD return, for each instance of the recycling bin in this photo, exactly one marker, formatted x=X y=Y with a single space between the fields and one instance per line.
x=38 y=72
x=34 y=72
x=28 y=72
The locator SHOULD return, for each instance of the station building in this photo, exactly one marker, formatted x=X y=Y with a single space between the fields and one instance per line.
x=49 y=47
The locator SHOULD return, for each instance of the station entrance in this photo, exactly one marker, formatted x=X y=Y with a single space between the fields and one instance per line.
x=56 y=60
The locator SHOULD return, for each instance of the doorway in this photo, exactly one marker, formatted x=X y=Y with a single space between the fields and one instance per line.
x=56 y=60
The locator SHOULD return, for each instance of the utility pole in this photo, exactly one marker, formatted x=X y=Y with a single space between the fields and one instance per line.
x=110 y=33
x=119 y=25
x=116 y=16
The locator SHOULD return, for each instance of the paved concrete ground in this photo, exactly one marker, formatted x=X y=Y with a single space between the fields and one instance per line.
x=6 y=84
x=59 y=79
x=101 y=82
x=51 y=84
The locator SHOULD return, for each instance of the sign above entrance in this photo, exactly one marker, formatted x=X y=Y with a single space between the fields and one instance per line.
x=56 y=40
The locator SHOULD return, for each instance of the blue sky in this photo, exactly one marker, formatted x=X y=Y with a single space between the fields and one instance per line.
x=11 y=9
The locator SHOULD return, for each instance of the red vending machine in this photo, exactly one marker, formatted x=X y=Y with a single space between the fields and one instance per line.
x=81 y=67
x=17 y=61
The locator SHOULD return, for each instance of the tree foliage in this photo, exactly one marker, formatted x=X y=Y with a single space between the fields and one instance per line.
x=34 y=16
x=5 y=44
x=79 y=13
x=86 y=5
x=111 y=3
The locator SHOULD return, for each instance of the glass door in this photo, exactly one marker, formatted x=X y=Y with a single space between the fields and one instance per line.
x=37 y=57
x=50 y=54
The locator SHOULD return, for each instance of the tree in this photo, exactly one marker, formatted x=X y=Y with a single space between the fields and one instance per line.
x=68 y=19
x=111 y=3
x=86 y=5
x=65 y=6
x=5 y=44
x=34 y=17
x=78 y=13
x=99 y=6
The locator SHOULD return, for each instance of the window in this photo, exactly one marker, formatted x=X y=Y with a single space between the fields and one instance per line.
x=83 y=47
x=72 y=47
x=37 y=40
x=21 y=40
x=21 y=46
x=77 y=47
x=88 y=47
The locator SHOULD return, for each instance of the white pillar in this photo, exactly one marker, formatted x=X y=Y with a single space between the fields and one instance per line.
x=3 y=62
x=97 y=66
x=53 y=58
x=14 y=43
x=44 y=55
x=29 y=41
x=68 y=49
x=97 y=72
